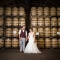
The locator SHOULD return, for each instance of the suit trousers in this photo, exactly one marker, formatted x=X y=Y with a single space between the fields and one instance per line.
x=22 y=44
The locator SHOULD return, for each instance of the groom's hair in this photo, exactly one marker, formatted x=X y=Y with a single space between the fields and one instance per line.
x=23 y=25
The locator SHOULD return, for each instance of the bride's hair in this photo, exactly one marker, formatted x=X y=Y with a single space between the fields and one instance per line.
x=31 y=29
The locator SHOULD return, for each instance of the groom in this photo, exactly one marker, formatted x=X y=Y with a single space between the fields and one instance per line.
x=22 y=38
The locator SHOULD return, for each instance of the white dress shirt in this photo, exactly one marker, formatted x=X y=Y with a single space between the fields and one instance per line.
x=23 y=31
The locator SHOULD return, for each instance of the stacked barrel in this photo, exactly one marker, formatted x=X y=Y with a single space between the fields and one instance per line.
x=46 y=21
x=1 y=27
x=54 y=41
x=40 y=27
x=58 y=14
x=11 y=20
x=33 y=18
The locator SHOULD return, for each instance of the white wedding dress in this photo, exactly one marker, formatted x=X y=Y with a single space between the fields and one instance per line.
x=31 y=45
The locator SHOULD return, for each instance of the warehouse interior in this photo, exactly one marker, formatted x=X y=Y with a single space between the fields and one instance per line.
x=42 y=15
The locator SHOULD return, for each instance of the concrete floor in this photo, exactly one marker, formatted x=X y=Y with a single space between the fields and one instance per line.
x=14 y=54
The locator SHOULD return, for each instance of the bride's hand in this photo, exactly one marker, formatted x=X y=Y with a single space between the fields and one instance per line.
x=35 y=40
x=26 y=39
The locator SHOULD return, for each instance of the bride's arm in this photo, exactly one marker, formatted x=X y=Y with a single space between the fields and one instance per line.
x=34 y=37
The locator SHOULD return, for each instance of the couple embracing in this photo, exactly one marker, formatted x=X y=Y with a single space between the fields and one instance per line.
x=31 y=46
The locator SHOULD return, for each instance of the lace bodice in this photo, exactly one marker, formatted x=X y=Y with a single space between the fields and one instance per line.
x=31 y=35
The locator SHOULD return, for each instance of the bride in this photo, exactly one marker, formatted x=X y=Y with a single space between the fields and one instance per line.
x=31 y=46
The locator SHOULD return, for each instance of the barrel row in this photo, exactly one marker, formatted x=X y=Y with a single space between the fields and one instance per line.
x=48 y=43
x=46 y=11
x=9 y=32
x=12 y=21
x=41 y=22
x=14 y=11
x=45 y=22
x=42 y=43
x=8 y=43
x=47 y=32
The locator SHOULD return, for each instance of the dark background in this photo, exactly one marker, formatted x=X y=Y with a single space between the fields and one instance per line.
x=30 y=3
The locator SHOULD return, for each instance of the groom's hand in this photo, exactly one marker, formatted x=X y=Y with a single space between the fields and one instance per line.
x=20 y=38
